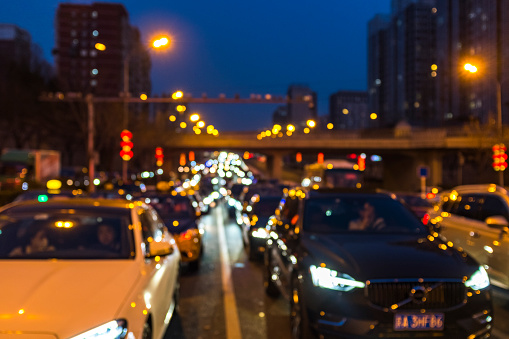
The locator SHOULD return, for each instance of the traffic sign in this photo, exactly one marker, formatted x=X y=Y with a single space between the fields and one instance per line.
x=423 y=171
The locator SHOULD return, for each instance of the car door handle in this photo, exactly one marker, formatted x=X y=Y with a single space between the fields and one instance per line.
x=474 y=234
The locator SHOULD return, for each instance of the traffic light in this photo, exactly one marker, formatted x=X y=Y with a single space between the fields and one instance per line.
x=126 y=153
x=182 y=160
x=320 y=158
x=191 y=156
x=298 y=157
x=159 y=156
x=499 y=157
x=361 y=162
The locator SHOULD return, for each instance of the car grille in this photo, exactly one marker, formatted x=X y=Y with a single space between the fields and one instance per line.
x=442 y=296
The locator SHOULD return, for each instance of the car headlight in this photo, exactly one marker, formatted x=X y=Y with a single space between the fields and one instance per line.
x=115 y=329
x=261 y=233
x=331 y=279
x=479 y=280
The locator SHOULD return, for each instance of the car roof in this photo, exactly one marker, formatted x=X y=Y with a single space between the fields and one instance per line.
x=87 y=203
x=479 y=188
x=347 y=190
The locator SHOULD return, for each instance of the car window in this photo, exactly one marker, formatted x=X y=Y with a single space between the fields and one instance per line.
x=65 y=234
x=289 y=211
x=349 y=214
x=468 y=206
x=265 y=207
x=151 y=225
x=492 y=205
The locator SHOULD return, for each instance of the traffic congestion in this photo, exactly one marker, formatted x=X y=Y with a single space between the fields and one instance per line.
x=218 y=252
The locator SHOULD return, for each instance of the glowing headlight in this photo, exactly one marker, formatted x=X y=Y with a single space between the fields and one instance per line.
x=261 y=233
x=327 y=278
x=115 y=329
x=479 y=280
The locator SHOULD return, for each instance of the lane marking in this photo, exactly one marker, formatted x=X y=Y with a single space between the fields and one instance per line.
x=230 y=306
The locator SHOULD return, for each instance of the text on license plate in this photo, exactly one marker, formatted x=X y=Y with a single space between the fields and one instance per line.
x=418 y=322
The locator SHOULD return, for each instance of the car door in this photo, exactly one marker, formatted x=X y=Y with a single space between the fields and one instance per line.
x=458 y=221
x=161 y=272
x=282 y=251
x=494 y=239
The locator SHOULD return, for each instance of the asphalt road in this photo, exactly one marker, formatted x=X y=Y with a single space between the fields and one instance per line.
x=228 y=281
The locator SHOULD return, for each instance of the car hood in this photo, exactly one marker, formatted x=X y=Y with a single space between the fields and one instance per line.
x=56 y=296
x=384 y=256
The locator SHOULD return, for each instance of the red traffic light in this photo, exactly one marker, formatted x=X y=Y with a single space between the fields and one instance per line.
x=126 y=134
x=126 y=153
x=159 y=152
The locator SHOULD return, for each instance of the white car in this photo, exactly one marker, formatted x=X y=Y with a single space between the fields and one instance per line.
x=85 y=268
x=476 y=219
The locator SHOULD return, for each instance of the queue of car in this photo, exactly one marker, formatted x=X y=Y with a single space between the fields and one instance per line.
x=351 y=262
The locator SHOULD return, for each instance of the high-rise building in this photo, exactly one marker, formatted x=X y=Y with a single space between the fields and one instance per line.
x=349 y=110
x=472 y=31
x=15 y=46
x=401 y=77
x=379 y=63
x=299 y=113
x=84 y=68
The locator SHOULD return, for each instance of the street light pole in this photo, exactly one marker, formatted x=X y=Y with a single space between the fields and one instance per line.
x=126 y=109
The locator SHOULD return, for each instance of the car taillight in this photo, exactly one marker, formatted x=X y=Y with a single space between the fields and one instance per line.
x=425 y=218
x=187 y=235
x=430 y=195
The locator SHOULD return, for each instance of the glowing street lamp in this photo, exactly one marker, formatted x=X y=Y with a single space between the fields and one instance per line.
x=311 y=123
x=177 y=95
x=161 y=42
x=194 y=117
x=471 y=68
x=290 y=128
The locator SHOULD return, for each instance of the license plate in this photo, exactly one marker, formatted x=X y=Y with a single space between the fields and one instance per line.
x=418 y=321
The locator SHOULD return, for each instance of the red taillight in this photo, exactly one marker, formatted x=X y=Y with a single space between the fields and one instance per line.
x=430 y=195
x=187 y=235
x=425 y=218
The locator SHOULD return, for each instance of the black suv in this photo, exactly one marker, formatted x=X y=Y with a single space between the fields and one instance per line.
x=359 y=264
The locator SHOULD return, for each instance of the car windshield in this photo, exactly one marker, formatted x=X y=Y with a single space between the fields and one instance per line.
x=359 y=214
x=173 y=207
x=266 y=207
x=65 y=234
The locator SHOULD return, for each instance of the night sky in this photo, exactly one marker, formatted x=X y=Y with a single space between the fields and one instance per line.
x=242 y=47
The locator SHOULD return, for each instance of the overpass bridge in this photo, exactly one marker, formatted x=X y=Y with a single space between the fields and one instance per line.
x=447 y=153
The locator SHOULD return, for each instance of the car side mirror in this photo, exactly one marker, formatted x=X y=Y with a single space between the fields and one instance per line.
x=497 y=221
x=159 y=248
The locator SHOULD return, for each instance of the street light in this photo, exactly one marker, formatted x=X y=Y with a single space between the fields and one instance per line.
x=473 y=69
x=161 y=41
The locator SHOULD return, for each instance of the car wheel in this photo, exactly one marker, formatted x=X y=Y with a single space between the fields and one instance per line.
x=147 y=331
x=271 y=288
x=298 y=314
x=176 y=296
x=251 y=250
x=194 y=265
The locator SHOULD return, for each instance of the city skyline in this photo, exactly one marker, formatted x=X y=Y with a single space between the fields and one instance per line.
x=270 y=47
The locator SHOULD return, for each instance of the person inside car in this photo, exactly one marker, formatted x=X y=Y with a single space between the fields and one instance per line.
x=368 y=219
x=38 y=242
x=107 y=238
